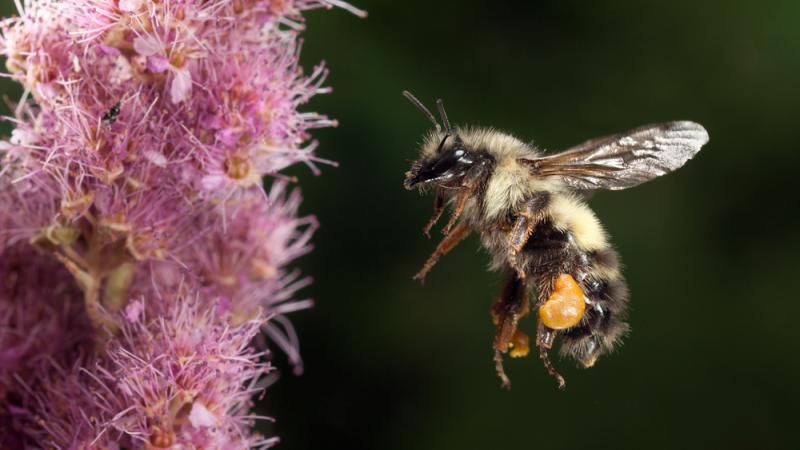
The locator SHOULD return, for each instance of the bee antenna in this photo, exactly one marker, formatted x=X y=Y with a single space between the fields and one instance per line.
x=424 y=110
x=443 y=115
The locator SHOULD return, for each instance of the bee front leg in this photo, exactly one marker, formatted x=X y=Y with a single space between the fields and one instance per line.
x=466 y=191
x=438 y=209
x=461 y=202
x=524 y=224
x=460 y=232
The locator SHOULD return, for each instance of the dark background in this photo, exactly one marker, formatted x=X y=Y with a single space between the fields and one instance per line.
x=710 y=251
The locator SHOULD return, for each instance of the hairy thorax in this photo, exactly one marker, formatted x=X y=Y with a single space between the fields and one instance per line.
x=565 y=221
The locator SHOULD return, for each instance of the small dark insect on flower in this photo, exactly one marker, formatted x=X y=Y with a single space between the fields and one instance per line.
x=111 y=115
x=532 y=220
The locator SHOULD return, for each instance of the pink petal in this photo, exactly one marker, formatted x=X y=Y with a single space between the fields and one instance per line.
x=157 y=63
x=147 y=45
x=46 y=90
x=22 y=137
x=181 y=86
x=133 y=311
x=130 y=5
x=213 y=182
x=228 y=136
x=122 y=70
x=200 y=416
x=107 y=50
x=156 y=158
x=103 y=200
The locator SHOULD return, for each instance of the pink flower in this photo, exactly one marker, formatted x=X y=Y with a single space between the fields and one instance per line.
x=139 y=252
x=153 y=49
x=40 y=315
x=183 y=377
x=179 y=379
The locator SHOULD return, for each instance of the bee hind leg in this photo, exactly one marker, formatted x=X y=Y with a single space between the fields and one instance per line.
x=544 y=341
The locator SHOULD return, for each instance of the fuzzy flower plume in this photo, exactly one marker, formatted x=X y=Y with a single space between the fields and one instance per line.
x=141 y=260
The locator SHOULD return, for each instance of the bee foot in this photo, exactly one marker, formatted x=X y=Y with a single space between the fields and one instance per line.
x=550 y=368
x=501 y=373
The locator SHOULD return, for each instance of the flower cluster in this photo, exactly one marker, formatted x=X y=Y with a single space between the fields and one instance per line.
x=139 y=253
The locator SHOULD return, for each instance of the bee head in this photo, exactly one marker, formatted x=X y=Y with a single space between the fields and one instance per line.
x=452 y=162
x=447 y=167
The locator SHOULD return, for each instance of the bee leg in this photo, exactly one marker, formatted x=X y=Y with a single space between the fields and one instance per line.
x=544 y=341
x=517 y=238
x=438 y=209
x=448 y=243
x=523 y=227
x=461 y=201
x=501 y=371
x=560 y=306
x=508 y=308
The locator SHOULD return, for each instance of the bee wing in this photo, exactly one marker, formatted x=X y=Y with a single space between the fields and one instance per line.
x=624 y=160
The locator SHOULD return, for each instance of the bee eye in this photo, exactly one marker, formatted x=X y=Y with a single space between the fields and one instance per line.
x=449 y=164
x=449 y=160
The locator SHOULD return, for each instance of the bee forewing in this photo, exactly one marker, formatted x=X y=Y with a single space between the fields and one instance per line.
x=624 y=160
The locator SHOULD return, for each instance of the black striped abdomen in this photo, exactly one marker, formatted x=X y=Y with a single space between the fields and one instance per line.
x=552 y=252
x=604 y=321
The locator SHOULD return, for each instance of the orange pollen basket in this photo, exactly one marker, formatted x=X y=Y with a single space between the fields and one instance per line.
x=565 y=306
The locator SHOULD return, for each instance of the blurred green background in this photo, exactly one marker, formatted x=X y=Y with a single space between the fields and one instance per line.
x=711 y=252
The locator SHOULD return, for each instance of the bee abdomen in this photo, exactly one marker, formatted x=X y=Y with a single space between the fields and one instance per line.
x=604 y=322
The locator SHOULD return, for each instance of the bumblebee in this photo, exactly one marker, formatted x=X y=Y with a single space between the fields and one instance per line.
x=529 y=210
